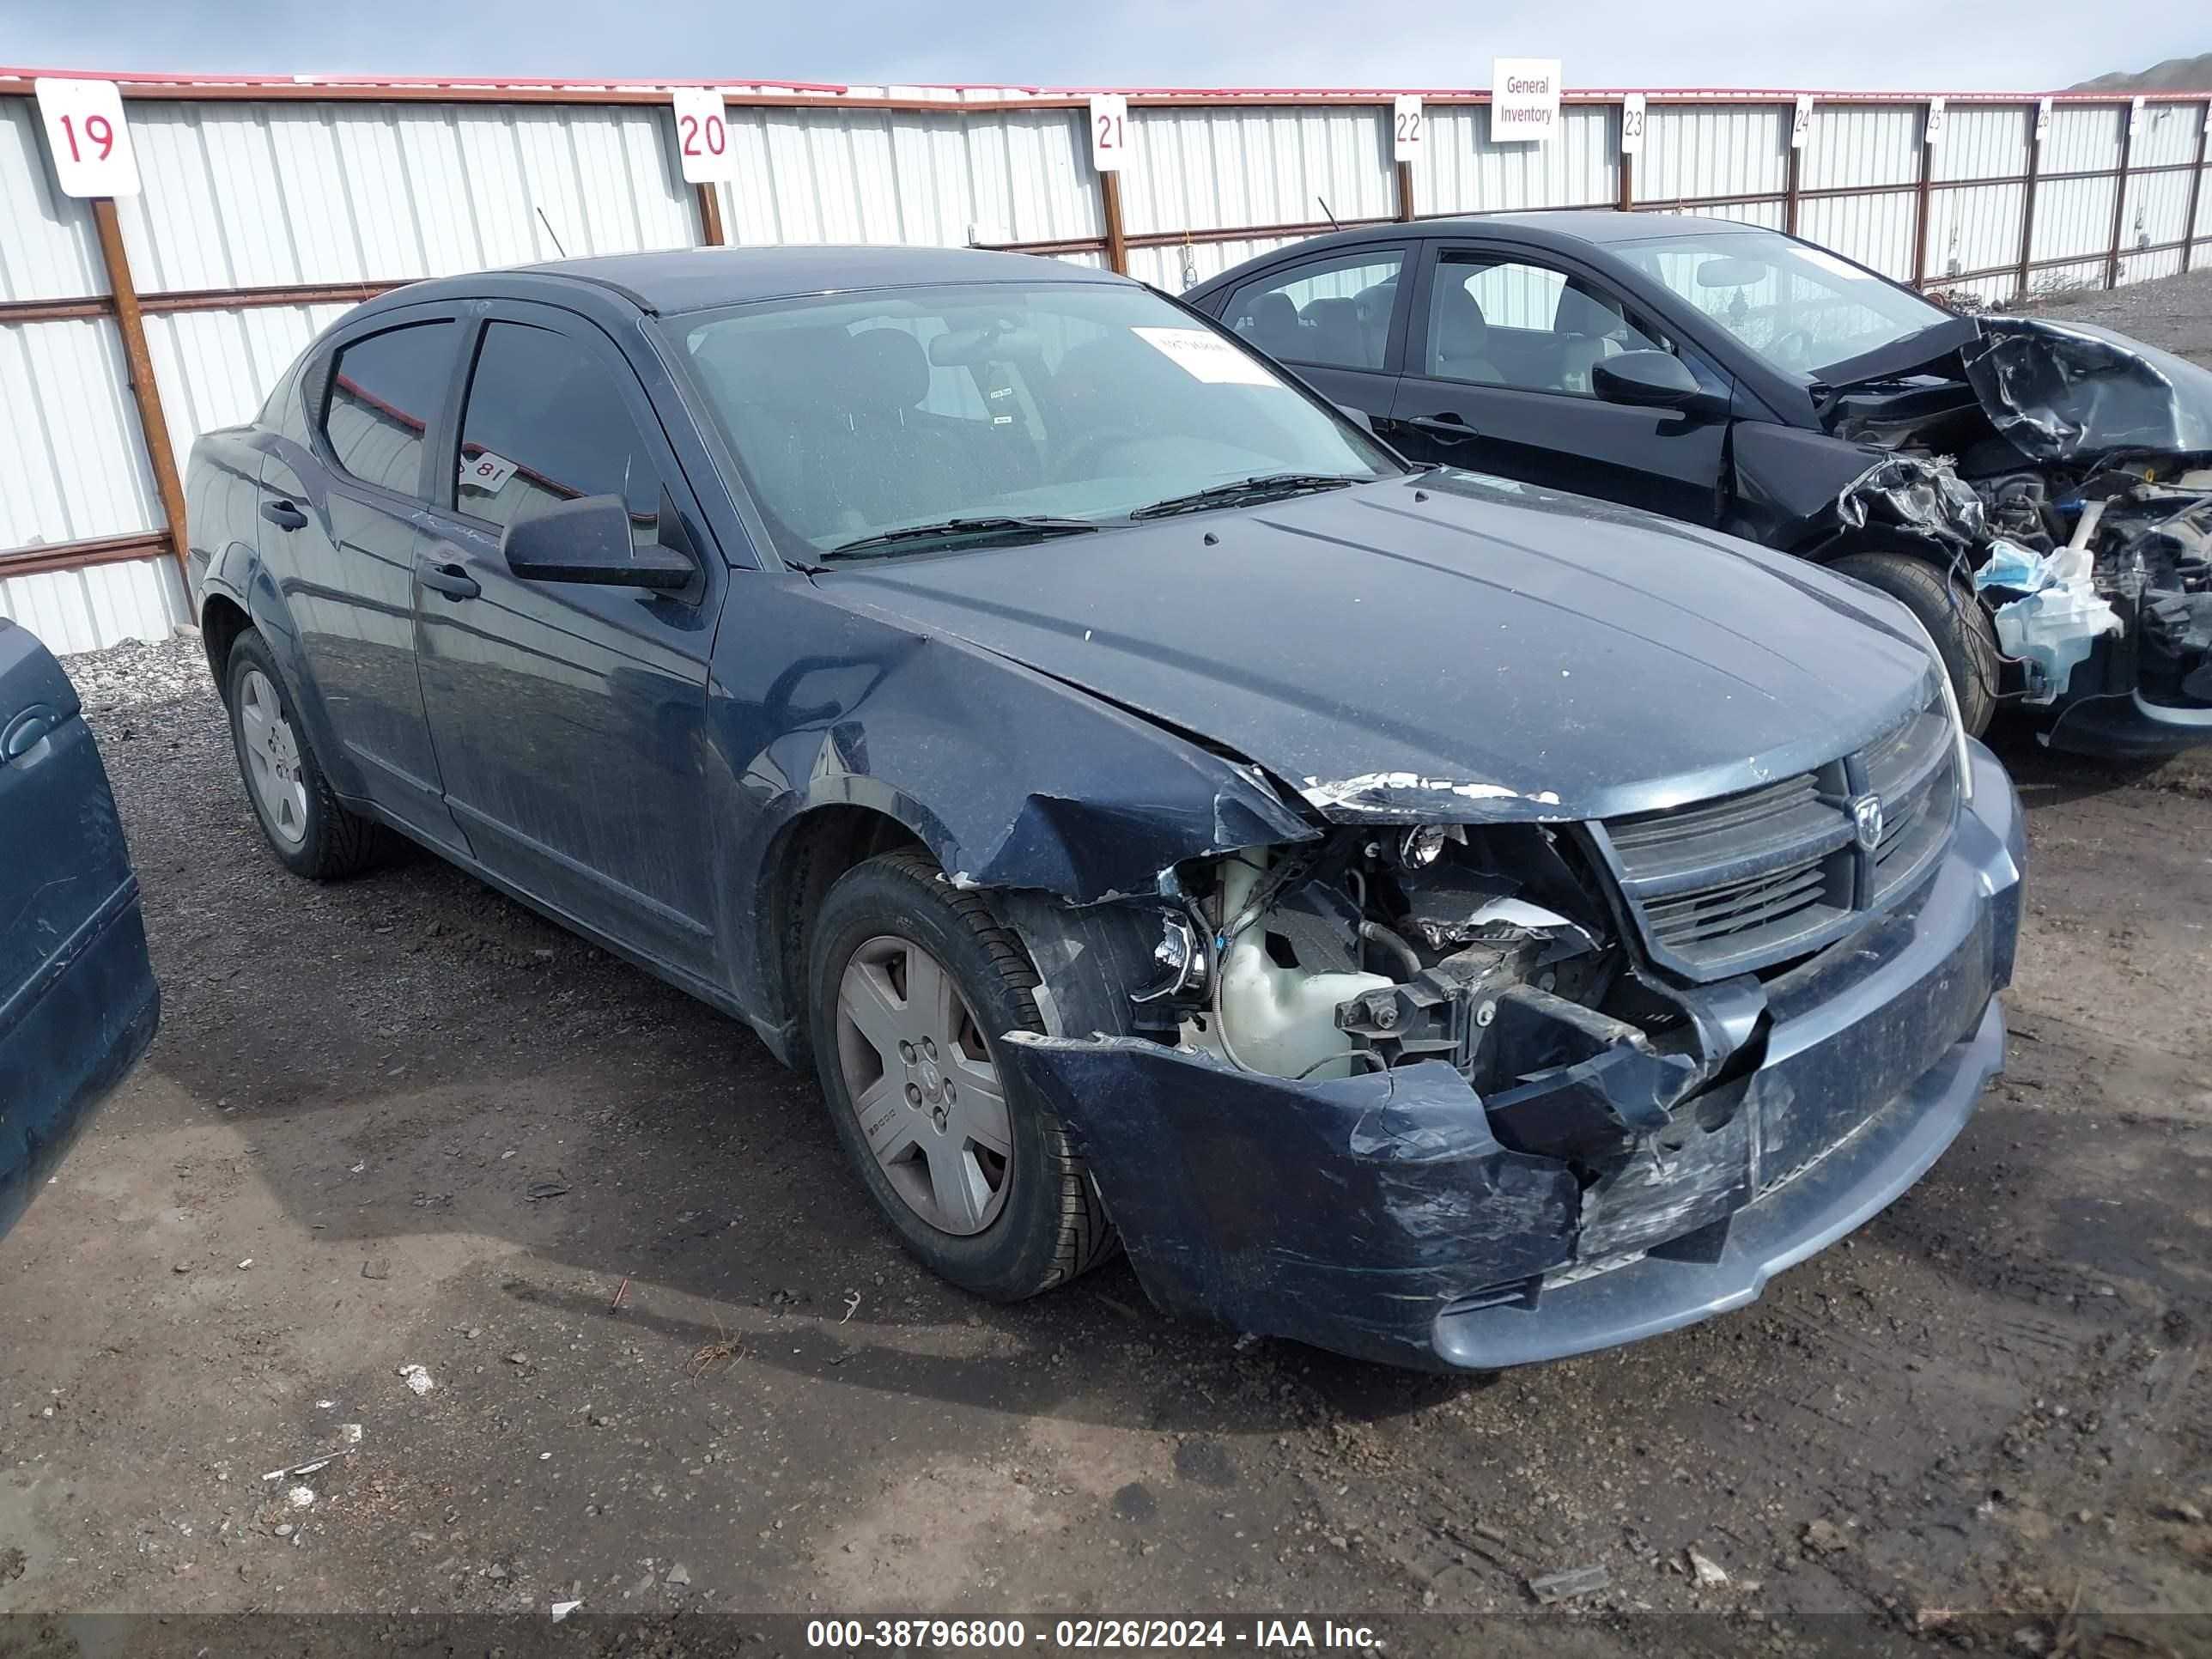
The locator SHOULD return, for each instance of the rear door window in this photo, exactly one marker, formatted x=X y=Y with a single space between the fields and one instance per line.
x=546 y=421
x=386 y=389
x=1335 y=311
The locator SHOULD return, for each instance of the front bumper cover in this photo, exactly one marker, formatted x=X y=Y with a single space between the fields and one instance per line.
x=1380 y=1217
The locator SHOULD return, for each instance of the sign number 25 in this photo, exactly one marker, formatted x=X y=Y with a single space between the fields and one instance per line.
x=87 y=136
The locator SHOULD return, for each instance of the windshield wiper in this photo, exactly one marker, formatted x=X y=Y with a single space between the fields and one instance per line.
x=1268 y=487
x=886 y=541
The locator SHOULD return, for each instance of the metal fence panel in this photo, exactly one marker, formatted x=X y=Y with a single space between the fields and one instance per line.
x=1862 y=145
x=89 y=610
x=72 y=468
x=1218 y=168
x=1973 y=228
x=2082 y=136
x=47 y=248
x=1874 y=230
x=261 y=195
x=2072 y=215
x=1984 y=141
x=1462 y=170
x=1693 y=150
x=824 y=176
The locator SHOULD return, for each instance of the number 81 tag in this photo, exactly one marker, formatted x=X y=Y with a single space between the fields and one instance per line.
x=87 y=136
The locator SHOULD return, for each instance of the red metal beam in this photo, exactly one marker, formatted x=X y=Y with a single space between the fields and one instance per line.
x=82 y=556
x=131 y=323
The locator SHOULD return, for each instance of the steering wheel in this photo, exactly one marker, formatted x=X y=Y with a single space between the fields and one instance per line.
x=1085 y=450
x=1793 y=346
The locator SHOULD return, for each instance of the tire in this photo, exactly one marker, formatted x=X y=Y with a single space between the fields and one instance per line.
x=1043 y=1225
x=311 y=833
x=1954 y=619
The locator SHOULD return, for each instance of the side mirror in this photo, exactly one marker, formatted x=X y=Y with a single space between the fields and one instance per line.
x=589 y=540
x=1646 y=380
x=1358 y=417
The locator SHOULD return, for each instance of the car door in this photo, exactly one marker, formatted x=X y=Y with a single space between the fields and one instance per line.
x=1500 y=377
x=77 y=999
x=339 y=533
x=567 y=717
x=1337 y=319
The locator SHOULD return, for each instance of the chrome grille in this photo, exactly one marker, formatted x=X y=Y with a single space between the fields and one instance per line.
x=1748 y=880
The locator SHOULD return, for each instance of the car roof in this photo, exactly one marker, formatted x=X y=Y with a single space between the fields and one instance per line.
x=695 y=279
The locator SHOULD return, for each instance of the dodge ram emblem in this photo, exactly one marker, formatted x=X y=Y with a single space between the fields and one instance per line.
x=1866 y=820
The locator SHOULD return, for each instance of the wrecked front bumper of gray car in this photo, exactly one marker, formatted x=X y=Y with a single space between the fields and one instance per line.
x=1384 y=1214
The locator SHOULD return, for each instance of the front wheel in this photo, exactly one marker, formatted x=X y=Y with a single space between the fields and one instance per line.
x=1954 y=619
x=911 y=985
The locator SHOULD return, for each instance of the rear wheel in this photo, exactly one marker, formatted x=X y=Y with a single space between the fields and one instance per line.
x=1953 y=618
x=311 y=833
x=911 y=986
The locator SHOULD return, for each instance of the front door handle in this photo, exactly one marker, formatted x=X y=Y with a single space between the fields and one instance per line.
x=284 y=514
x=452 y=580
x=1447 y=427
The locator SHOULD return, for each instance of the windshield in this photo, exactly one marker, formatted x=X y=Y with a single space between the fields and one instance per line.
x=858 y=417
x=1799 y=307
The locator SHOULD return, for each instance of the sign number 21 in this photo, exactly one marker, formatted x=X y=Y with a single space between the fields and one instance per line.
x=1109 y=131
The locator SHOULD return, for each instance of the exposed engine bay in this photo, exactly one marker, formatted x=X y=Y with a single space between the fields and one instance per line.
x=2066 y=472
x=1483 y=947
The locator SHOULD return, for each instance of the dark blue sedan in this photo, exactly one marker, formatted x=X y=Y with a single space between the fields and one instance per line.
x=78 y=1004
x=1432 y=917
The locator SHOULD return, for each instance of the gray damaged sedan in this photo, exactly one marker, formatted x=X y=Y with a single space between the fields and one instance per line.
x=1445 y=921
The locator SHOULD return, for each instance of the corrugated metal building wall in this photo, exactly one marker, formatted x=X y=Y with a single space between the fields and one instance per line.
x=267 y=209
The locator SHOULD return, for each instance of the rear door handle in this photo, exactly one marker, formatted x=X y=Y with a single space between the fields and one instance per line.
x=1450 y=428
x=26 y=731
x=452 y=580
x=283 y=515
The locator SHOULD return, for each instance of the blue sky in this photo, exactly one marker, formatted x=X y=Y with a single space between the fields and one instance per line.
x=1906 y=45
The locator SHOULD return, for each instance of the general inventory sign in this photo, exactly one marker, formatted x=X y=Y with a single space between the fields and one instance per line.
x=1524 y=101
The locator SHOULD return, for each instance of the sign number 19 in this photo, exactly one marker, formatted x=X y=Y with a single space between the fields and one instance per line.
x=87 y=136
x=98 y=131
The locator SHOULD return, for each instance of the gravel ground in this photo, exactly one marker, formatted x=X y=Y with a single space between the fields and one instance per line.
x=445 y=1134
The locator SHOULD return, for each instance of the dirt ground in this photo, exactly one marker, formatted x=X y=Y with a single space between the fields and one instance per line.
x=402 y=1121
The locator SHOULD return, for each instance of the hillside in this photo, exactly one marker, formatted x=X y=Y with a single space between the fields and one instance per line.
x=2174 y=74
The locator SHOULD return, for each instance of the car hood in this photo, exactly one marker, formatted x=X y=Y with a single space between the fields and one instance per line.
x=1444 y=647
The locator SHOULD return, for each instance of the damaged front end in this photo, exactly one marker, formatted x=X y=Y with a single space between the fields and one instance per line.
x=1474 y=1095
x=2065 y=473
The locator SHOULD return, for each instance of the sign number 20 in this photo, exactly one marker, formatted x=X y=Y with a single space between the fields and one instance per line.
x=712 y=132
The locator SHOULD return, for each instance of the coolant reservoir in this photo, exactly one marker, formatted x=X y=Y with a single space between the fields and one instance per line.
x=1281 y=1020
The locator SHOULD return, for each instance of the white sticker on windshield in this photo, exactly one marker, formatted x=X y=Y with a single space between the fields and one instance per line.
x=1205 y=357
x=1835 y=267
x=486 y=471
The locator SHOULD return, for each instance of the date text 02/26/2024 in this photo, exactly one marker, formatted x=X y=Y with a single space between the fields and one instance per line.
x=1090 y=1634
